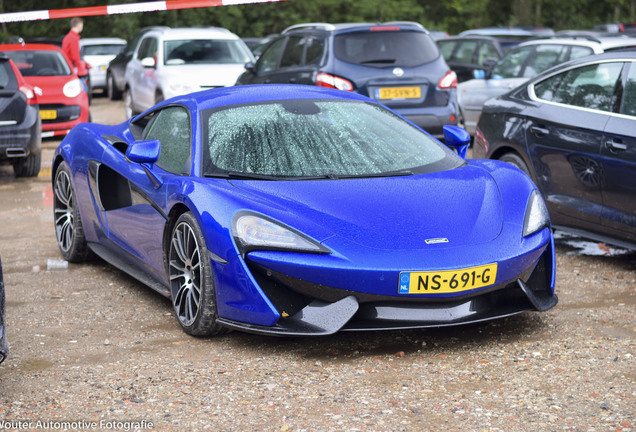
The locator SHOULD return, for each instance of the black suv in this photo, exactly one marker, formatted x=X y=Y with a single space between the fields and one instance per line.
x=396 y=63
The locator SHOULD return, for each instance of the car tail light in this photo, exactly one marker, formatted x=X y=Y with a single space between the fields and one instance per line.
x=383 y=28
x=332 y=81
x=480 y=140
x=448 y=81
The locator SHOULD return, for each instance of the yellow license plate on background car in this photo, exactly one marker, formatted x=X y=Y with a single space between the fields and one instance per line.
x=399 y=93
x=48 y=114
x=449 y=281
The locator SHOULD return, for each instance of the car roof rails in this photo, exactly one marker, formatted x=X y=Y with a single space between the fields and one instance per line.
x=310 y=26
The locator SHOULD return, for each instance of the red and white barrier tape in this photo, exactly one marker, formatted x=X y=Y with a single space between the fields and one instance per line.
x=152 y=6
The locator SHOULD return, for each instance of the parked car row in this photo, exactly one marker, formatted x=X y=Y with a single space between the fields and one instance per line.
x=396 y=63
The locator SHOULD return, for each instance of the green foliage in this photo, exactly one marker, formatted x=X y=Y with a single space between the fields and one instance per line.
x=261 y=19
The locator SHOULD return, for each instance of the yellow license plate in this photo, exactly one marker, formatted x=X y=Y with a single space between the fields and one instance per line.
x=399 y=92
x=448 y=281
x=48 y=114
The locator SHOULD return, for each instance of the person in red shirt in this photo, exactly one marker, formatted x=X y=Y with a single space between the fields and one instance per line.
x=71 y=47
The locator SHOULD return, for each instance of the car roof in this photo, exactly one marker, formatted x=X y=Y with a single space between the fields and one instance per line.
x=170 y=33
x=226 y=96
x=29 y=47
x=597 y=44
x=102 y=41
x=328 y=27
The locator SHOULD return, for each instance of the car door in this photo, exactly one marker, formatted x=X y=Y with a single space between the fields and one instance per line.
x=565 y=134
x=619 y=159
x=137 y=223
x=293 y=61
x=141 y=78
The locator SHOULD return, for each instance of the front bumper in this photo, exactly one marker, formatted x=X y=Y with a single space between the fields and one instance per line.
x=306 y=309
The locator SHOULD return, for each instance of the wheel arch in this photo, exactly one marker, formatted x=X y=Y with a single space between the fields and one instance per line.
x=507 y=147
x=175 y=212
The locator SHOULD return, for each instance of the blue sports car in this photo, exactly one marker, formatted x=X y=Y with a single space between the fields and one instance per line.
x=298 y=210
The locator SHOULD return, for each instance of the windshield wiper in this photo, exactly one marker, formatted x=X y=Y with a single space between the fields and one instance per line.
x=371 y=175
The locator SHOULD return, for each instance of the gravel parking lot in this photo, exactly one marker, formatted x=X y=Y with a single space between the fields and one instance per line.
x=92 y=349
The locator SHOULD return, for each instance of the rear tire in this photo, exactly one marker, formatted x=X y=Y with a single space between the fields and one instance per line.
x=191 y=279
x=28 y=166
x=516 y=160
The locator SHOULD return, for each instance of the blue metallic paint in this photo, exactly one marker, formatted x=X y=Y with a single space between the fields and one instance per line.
x=374 y=228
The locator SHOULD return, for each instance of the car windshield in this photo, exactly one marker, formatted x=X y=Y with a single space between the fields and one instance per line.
x=40 y=63
x=379 y=48
x=204 y=51
x=309 y=139
x=93 y=50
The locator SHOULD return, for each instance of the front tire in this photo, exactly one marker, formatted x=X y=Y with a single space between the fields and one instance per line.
x=129 y=104
x=191 y=279
x=111 y=88
x=68 y=225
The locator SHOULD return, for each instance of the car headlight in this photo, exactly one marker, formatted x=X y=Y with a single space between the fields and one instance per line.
x=537 y=215
x=72 y=88
x=256 y=232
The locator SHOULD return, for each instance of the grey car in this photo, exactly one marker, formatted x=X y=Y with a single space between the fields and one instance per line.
x=524 y=62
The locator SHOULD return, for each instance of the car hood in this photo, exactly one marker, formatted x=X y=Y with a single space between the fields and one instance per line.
x=49 y=89
x=462 y=206
x=205 y=75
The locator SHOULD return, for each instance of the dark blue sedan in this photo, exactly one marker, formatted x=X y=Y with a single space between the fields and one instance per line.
x=573 y=130
x=297 y=210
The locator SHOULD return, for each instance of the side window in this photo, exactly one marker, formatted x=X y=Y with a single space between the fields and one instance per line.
x=510 y=65
x=171 y=126
x=586 y=87
x=148 y=48
x=578 y=52
x=544 y=57
x=446 y=48
x=293 y=54
x=487 y=51
x=465 y=52
x=268 y=60
x=315 y=50
x=628 y=104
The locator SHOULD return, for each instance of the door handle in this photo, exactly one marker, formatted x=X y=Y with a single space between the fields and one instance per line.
x=539 y=131
x=615 y=146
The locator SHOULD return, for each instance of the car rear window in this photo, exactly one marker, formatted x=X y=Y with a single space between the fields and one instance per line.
x=106 y=49
x=7 y=77
x=382 y=48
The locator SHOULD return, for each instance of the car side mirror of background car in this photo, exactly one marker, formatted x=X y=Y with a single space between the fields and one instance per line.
x=457 y=139
x=148 y=62
x=250 y=67
x=144 y=152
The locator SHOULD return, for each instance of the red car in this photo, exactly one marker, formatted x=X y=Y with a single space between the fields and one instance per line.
x=62 y=99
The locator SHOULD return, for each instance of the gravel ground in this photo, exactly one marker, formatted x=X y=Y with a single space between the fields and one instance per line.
x=92 y=349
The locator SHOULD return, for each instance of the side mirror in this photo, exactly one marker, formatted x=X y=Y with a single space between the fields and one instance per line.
x=144 y=152
x=148 y=62
x=457 y=139
x=250 y=67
